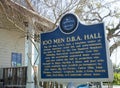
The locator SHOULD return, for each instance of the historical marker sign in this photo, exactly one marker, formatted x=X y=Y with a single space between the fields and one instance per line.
x=75 y=52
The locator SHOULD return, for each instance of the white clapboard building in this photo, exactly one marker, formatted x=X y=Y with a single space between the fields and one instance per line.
x=15 y=22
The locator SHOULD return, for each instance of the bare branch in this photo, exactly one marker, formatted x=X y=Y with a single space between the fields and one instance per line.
x=29 y=4
x=108 y=13
x=118 y=32
x=118 y=26
x=48 y=5
x=95 y=19
x=114 y=46
x=112 y=31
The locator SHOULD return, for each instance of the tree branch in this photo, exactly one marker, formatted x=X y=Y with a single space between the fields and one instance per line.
x=114 y=46
x=95 y=19
x=112 y=31
x=29 y=4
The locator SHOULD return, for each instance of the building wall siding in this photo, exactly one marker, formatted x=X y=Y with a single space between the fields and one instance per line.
x=10 y=41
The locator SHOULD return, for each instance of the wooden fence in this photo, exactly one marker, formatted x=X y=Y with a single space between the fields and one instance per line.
x=13 y=77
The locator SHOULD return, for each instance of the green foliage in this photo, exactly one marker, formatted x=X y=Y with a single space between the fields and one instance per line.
x=116 y=80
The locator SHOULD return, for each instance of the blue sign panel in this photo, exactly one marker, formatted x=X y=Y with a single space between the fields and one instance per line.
x=74 y=50
x=16 y=59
